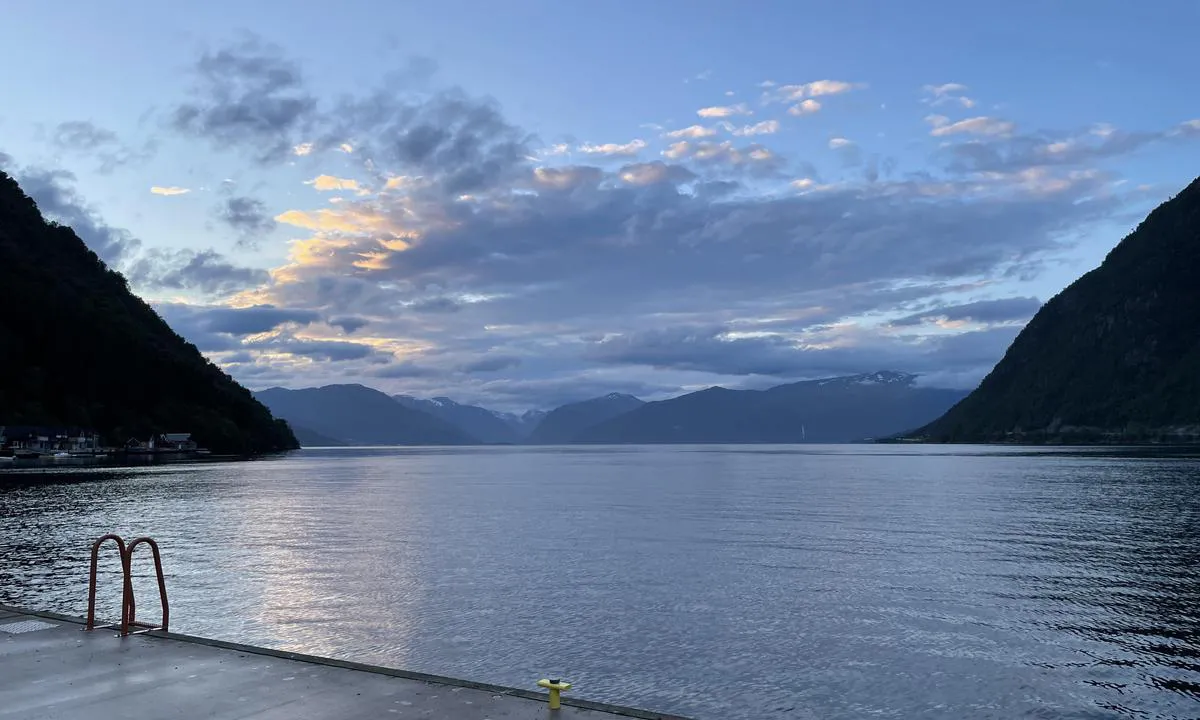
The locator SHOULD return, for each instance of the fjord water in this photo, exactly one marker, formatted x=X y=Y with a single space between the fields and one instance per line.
x=720 y=582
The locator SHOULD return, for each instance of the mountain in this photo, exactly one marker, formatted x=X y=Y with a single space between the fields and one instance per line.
x=564 y=424
x=358 y=415
x=77 y=348
x=833 y=410
x=483 y=424
x=311 y=438
x=1115 y=357
x=525 y=423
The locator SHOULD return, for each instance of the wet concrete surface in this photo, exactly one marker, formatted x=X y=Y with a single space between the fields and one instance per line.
x=50 y=668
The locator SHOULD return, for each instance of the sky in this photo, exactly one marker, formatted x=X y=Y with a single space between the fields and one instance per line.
x=523 y=204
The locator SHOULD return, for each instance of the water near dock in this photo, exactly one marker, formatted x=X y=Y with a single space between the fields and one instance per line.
x=749 y=582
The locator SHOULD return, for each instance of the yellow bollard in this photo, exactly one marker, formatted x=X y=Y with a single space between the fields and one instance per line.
x=555 y=687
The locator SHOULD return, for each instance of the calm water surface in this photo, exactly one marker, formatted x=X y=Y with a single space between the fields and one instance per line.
x=720 y=582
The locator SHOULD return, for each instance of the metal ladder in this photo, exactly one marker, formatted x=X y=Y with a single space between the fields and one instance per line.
x=129 y=624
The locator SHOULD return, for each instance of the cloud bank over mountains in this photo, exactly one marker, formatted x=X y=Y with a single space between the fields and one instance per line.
x=434 y=247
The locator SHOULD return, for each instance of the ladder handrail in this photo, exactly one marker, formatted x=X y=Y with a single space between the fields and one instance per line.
x=162 y=583
x=125 y=590
x=128 y=605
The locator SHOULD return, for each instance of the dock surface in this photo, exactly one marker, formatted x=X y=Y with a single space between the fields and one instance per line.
x=50 y=668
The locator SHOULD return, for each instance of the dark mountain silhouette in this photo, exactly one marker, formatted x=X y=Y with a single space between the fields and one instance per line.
x=1115 y=357
x=77 y=348
x=358 y=415
x=483 y=424
x=564 y=424
x=833 y=410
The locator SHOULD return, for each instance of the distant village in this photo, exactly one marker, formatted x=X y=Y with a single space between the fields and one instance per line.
x=33 y=442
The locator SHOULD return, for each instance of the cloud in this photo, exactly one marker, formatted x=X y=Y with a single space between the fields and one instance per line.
x=330 y=350
x=248 y=95
x=971 y=126
x=946 y=93
x=329 y=182
x=566 y=177
x=80 y=135
x=1025 y=153
x=403 y=182
x=766 y=127
x=838 y=143
x=988 y=312
x=205 y=271
x=56 y=197
x=491 y=364
x=88 y=139
x=1188 y=128
x=822 y=87
x=475 y=249
x=655 y=172
x=945 y=89
x=693 y=132
x=349 y=324
x=685 y=238
x=436 y=305
x=169 y=190
x=200 y=270
x=194 y=321
x=629 y=149
x=805 y=107
x=248 y=217
x=254 y=319
x=823 y=353
x=458 y=143
x=752 y=156
x=623 y=258
x=406 y=369
x=552 y=150
x=261 y=334
x=830 y=87
x=724 y=111
x=817 y=88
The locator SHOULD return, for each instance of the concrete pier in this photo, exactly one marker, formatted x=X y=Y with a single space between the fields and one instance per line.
x=51 y=669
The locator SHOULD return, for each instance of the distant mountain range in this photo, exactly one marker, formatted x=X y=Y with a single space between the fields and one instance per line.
x=1114 y=358
x=833 y=410
x=358 y=415
x=567 y=423
x=486 y=426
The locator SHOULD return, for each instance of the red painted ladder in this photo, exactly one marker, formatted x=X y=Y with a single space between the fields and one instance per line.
x=128 y=607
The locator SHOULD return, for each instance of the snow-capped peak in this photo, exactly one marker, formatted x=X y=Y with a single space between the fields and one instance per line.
x=883 y=377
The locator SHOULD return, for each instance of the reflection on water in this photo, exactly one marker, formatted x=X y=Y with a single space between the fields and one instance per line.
x=763 y=582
